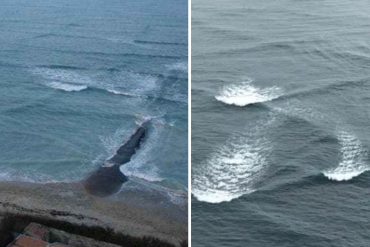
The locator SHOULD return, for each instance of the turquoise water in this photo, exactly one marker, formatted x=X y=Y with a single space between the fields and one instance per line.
x=77 y=77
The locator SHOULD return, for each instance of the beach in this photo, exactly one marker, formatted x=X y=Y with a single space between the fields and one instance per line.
x=131 y=212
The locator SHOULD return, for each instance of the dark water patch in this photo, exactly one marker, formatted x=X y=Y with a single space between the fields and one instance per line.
x=63 y=67
x=109 y=54
x=47 y=35
x=314 y=182
x=264 y=47
x=275 y=47
x=159 y=43
x=341 y=58
x=47 y=109
x=74 y=37
x=73 y=25
x=12 y=65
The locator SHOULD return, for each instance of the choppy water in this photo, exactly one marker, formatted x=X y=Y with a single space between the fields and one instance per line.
x=281 y=99
x=77 y=76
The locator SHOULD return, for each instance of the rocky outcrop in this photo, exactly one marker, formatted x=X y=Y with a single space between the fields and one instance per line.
x=108 y=179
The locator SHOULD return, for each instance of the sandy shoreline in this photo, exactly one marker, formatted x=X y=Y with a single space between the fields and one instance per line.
x=137 y=210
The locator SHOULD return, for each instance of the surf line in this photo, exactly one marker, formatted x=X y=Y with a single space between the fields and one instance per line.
x=108 y=178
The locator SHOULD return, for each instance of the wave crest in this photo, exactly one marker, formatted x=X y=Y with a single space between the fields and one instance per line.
x=122 y=83
x=234 y=169
x=230 y=173
x=244 y=93
x=344 y=174
x=67 y=86
x=353 y=159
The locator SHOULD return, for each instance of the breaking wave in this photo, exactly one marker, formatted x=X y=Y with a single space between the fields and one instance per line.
x=244 y=93
x=123 y=83
x=113 y=91
x=140 y=166
x=233 y=170
x=353 y=162
x=144 y=164
x=67 y=86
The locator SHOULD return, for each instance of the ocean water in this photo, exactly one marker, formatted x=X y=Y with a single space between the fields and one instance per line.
x=76 y=79
x=280 y=124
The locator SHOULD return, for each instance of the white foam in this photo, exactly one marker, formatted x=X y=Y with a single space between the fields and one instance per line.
x=135 y=168
x=140 y=119
x=150 y=174
x=65 y=80
x=353 y=159
x=66 y=86
x=230 y=173
x=244 y=93
x=179 y=66
x=63 y=76
x=340 y=174
x=235 y=168
x=117 y=92
x=113 y=142
x=217 y=196
x=143 y=164
x=126 y=83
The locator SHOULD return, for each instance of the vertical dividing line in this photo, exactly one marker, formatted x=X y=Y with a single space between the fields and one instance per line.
x=189 y=123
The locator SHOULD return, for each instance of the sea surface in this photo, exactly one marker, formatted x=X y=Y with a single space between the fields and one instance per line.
x=281 y=123
x=78 y=77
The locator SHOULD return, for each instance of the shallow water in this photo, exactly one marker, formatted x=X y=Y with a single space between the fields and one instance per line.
x=76 y=79
x=280 y=123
